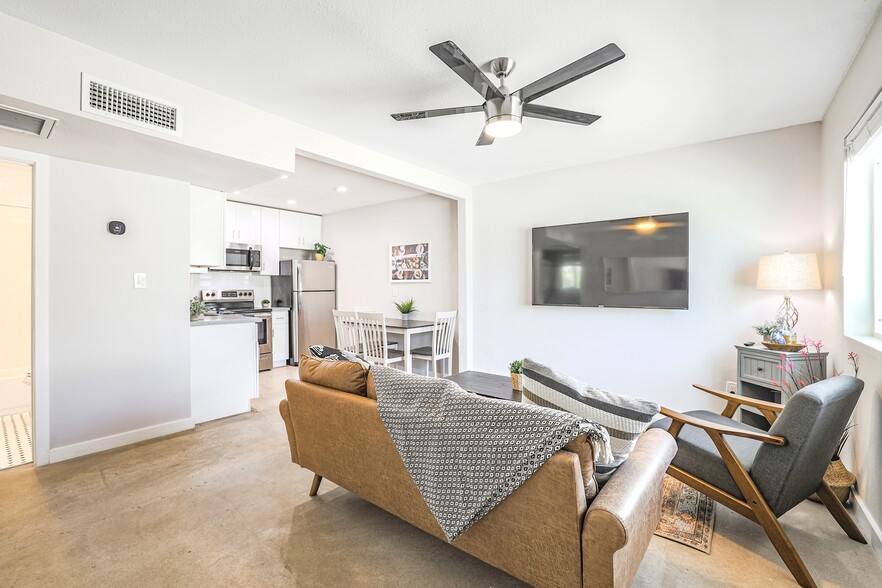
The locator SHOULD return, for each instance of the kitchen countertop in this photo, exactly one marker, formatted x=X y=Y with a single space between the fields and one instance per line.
x=224 y=319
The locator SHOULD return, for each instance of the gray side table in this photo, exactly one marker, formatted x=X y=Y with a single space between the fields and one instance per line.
x=758 y=367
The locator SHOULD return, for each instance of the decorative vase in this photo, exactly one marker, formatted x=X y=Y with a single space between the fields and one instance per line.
x=839 y=479
x=405 y=316
x=196 y=317
x=319 y=256
x=766 y=339
x=517 y=382
x=265 y=304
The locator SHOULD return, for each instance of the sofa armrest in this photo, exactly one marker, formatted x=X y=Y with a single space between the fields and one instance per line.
x=622 y=518
x=292 y=441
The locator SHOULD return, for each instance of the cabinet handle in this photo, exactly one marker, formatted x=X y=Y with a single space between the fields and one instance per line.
x=759 y=369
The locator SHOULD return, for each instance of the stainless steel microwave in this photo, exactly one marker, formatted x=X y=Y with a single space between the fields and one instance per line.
x=239 y=257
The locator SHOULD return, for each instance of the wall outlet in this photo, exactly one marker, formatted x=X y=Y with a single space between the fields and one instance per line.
x=140 y=280
x=731 y=388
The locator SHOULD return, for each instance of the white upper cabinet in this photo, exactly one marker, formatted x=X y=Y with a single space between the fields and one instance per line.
x=299 y=231
x=269 y=242
x=242 y=223
x=311 y=230
x=206 y=227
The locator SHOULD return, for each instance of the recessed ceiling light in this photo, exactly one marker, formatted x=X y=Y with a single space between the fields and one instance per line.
x=236 y=192
x=283 y=177
x=292 y=202
x=342 y=189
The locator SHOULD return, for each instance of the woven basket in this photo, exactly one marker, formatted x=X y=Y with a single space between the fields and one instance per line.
x=517 y=382
x=839 y=479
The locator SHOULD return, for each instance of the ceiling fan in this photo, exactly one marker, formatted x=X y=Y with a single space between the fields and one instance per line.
x=503 y=109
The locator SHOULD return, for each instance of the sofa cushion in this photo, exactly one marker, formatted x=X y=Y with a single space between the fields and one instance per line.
x=325 y=352
x=624 y=417
x=346 y=376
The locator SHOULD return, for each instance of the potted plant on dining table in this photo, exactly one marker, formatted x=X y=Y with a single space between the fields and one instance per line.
x=407 y=308
x=517 y=374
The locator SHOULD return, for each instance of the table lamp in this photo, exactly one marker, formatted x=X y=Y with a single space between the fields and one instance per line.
x=787 y=272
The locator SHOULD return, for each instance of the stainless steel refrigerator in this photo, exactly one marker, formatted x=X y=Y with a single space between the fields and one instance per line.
x=309 y=289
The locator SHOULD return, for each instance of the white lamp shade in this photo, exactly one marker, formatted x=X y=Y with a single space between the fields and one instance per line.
x=788 y=271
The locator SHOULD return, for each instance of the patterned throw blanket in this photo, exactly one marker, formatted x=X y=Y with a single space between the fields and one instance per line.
x=467 y=453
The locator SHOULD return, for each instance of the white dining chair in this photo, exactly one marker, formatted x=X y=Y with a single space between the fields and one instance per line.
x=363 y=309
x=375 y=348
x=442 y=344
x=346 y=325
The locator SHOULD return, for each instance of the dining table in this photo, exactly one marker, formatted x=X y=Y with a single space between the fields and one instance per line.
x=408 y=328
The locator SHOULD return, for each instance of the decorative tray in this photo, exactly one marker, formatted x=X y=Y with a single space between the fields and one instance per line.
x=783 y=346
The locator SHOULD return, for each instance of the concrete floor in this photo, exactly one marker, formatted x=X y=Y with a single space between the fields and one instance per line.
x=224 y=506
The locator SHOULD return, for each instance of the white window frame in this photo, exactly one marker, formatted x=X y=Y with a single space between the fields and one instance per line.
x=876 y=238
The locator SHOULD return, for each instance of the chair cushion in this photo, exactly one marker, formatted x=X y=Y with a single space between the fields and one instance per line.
x=425 y=351
x=346 y=376
x=697 y=454
x=624 y=417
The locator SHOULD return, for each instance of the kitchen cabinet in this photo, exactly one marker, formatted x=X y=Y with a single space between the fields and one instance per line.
x=269 y=241
x=310 y=230
x=206 y=227
x=298 y=230
x=242 y=223
x=223 y=369
x=281 y=338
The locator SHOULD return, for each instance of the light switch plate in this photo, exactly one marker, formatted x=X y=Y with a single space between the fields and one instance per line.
x=140 y=280
x=394 y=290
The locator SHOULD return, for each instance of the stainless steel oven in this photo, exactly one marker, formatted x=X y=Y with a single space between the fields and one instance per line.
x=264 y=338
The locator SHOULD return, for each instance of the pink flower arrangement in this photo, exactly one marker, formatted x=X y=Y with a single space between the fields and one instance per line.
x=792 y=380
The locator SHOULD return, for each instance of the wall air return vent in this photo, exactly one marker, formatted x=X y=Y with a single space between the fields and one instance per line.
x=23 y=121
x=129 y=106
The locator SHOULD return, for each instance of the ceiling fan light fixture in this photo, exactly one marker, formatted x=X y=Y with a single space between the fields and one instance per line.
x=503 y=126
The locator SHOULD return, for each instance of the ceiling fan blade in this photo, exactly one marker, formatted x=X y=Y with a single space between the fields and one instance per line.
x=559 y=114
x=572 y=72
x=455 y=59
x=437 y=112
x=484 y=139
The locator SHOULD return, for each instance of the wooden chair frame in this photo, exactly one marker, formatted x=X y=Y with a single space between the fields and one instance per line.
x=754 y=507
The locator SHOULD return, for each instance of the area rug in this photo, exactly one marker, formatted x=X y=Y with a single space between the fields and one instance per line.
x=687 y=515
x=15 y=440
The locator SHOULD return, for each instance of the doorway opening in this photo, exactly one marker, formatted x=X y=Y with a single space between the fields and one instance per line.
x=16 y=228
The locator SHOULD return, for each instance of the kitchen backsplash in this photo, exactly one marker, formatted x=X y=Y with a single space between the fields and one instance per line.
x=231 y=281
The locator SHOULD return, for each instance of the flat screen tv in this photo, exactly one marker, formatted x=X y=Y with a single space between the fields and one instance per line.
x=640 y=262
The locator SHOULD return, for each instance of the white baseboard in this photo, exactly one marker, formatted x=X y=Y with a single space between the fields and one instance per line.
x=120 y=439
x=867 y=523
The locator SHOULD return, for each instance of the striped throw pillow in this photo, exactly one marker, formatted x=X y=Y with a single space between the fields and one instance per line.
x=623 y=416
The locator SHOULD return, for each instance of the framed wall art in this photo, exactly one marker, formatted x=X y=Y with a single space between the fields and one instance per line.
x=410 y=262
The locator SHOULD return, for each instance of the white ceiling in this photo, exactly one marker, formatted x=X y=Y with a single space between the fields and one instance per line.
x=313 y=188
x=695 y=70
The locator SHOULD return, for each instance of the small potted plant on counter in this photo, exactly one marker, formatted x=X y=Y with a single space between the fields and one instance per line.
x=320 y=251
x=517 y=374
x=265 y=303
x=407 y=308
x=197 y=309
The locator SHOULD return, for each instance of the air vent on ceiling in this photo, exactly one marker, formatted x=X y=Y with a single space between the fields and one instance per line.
x=25 y=122
x=129 y=106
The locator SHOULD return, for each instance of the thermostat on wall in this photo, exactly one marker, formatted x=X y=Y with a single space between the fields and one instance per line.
x=116 y=227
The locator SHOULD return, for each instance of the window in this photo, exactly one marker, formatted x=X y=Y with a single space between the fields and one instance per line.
x=862 y=239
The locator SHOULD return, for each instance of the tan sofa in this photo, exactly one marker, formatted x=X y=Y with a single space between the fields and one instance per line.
x=545 y=533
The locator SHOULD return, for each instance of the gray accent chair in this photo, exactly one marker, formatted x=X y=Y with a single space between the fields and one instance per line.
x=762 y=475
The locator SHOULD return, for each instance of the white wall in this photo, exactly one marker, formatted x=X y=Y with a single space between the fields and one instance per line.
x=360 y=238
x=746 y=197
x=860 y=85
x=119 y=355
